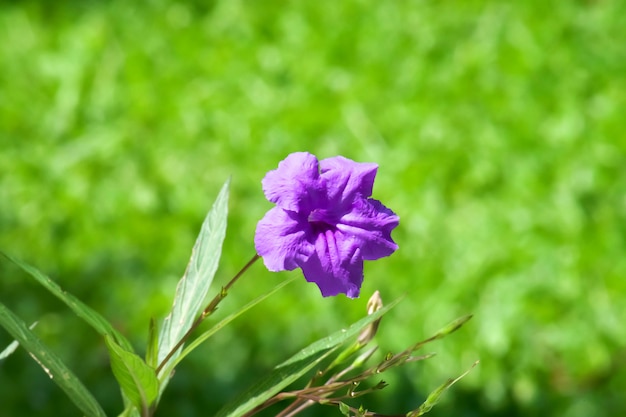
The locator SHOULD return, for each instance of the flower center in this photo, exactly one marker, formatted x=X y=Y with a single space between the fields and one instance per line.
x=321 y=220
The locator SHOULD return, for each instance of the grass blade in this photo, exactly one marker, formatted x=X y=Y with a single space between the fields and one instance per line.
x=13 y=345
x=90 y=316
x=51 y=364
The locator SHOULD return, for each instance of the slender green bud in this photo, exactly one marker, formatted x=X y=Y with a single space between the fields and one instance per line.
x=374 y=304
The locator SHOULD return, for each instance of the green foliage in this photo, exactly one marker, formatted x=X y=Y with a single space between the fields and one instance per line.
x=53 y=366
x=193 y=287
x=293 y=368
x=13 y=346
x=434 y=397
x=341 y=380
x=137 y=380
x=90 y=316
x=496 y=127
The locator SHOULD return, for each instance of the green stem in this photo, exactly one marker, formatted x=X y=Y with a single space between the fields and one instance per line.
x=209 y=309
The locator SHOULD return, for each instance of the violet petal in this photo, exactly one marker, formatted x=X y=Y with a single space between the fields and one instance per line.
x=336 y=266
x=371 y=223
x=281 y=240
x=345 y=179
x=290 y=185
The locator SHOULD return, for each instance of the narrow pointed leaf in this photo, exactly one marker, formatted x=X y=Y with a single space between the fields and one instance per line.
x=344 y=409
x=90 y=316
x=13 y=345
x=137 y=380
x=433 y=397
x=195 y=283
x=453 y=326
x=445 y=331
x=51 y=363
x=296 y=366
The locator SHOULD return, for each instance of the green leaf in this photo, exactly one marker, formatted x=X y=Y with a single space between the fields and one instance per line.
x=194 y=285
x=137 y=380
x=90 y=316
x=51 y=363
x=130 y=411
x=296 y=366
x=453 y=326
x=13 y=346
x=433 y=397
x=445 y=331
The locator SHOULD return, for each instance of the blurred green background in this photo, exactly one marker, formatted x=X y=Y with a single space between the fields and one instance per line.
x=498 y=128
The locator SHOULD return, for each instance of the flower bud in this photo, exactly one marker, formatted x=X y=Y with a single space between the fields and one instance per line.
x=374 y=304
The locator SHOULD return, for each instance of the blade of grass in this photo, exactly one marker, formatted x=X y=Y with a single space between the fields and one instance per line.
x=51 y=363
x=90 y=316
x=13 y=345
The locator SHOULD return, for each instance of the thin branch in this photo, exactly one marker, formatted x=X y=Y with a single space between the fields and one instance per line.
x=210 y=308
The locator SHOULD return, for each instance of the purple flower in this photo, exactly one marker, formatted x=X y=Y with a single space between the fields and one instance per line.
x=324 y=221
